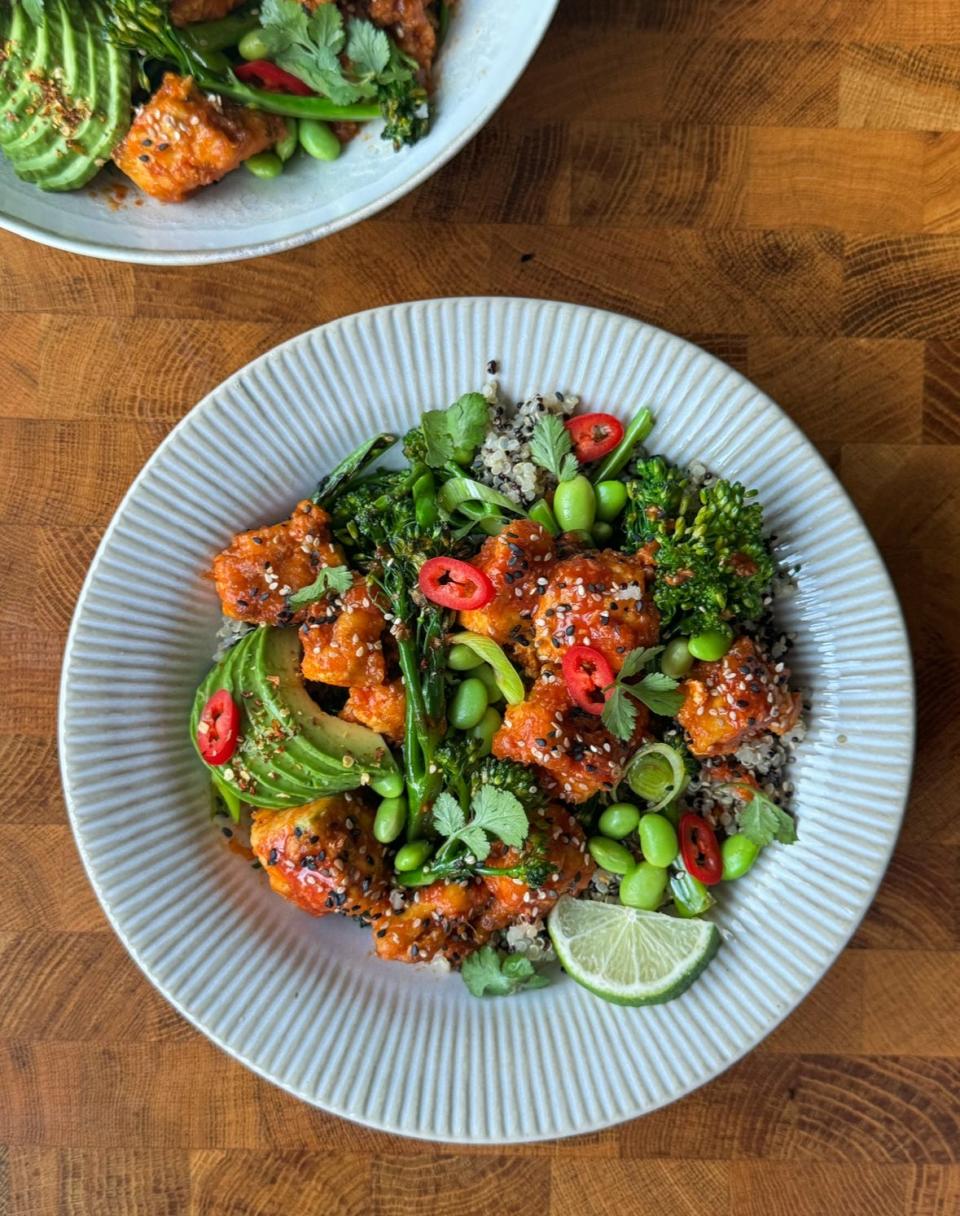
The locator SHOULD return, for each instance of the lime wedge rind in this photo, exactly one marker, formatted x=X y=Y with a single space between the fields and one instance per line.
x=628 y=956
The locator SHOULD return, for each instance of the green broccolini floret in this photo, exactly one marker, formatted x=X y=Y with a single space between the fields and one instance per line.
x=516 y=779
x=713 y=562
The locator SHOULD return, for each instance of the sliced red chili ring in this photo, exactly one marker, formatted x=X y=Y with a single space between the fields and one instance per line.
x=455 y=584
x=700 y=850
x=219 y=728
x=589 y=677
x=594 y=435
x=266 y=75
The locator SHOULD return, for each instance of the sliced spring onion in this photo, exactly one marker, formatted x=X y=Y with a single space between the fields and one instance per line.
x=690 y=896
x=541 y=514
x=462 y=490
x=657 y=774
x=506 y=675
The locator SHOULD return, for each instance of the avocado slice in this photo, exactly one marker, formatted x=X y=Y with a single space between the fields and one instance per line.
x=64 y=92
x=290 y=750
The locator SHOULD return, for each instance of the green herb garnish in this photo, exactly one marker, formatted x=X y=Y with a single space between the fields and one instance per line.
x=552 y=448
x=494 y=813
x=489 y=973
x=329 y=578
x=656 y=690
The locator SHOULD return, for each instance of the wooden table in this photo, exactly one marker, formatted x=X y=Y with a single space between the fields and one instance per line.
x=778 y=180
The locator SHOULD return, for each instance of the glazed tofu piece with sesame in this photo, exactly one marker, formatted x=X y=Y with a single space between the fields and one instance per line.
x=517 y=562
x=382 y=707
x=259 y=570
x=736 y=698
x=342 y=640
x=183 y=139
x=603 y=600
x=575 y=754
x=323 y=856
x=185 y=12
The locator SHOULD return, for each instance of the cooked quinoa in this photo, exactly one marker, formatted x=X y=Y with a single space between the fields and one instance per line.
x=503 y=462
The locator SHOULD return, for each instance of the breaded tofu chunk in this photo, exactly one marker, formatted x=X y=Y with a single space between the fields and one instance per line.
x=735 y=698
x=260 y=569
x=380 y=706
x=517 y=562
x=601 y=600
x=182 y=140
x=575 y=753
x=342 y=640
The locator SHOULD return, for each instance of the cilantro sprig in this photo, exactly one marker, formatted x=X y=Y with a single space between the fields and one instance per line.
x=488 y=973
x=348 y=64
x=761 y=820
x=329 y=578
x=454 y=433
x=494 y=814
x=552 y=448
x=656 y=690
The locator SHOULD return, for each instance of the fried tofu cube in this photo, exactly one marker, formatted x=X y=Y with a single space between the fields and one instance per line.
x=380 y=706
x=182 y=140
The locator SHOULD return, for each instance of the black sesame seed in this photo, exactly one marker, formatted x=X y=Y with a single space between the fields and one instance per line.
x=226 y=831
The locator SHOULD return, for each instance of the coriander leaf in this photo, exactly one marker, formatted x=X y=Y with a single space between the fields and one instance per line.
x=457 y=432
x=329 y=578
x=762 y=821
x=486 y=973
x=619 y=714
x=326 y=27
x=368 y=48
x=475 y=840
x=501 y=814
x=552 y=449
x=658 y=693
x=320 y=69
x=287 y=16
x=34 y=10
x=636 y=660
x=448 y=816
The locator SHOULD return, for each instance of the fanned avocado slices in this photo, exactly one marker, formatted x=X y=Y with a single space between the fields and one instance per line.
x=290 y=751
x=64 y=92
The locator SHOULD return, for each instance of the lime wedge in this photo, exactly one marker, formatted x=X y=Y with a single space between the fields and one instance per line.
x=628 y=956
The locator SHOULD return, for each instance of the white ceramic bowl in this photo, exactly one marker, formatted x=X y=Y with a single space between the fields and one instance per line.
x=488 y=46
x=303 y=1001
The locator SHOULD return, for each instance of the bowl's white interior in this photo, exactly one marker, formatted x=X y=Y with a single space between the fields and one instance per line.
x=489 y=44
x=303 y=1001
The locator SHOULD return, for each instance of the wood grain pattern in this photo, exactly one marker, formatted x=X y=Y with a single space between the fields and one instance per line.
x=778 y=180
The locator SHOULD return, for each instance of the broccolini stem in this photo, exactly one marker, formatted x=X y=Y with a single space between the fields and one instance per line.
x=420 y=739
x=287 y=104
x=616 y=461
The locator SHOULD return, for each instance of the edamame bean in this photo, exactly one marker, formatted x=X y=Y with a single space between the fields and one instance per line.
x=619 y=820
x=462 y=658
x=602 y=532
x=288 y=144
x=738 y=853
x=317 y=140
x=676 y=659
x=390 y=785
x=712 y=644
x=658 y=839
x=575 y=504
x=412 y=855
x=487 y=674
x=264 y=164
x=643 y=886
x=390 y=819
x=469 y=704
x=611 y=499
x=485 y=729
x=609 y=855
x=257 y=44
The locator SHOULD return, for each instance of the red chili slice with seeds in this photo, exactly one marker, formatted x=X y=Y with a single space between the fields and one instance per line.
x=589 y=678
x=266 y=75
x=594 y=435
x=219 y=728
x=454 y=584
x=700 y=850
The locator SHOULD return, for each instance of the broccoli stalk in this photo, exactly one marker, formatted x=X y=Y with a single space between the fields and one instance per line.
x=145 y=26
